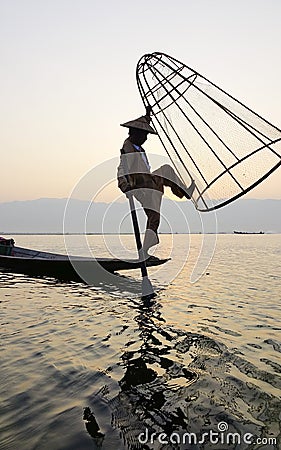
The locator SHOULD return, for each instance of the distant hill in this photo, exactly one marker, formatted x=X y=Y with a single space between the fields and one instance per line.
x=46 y=215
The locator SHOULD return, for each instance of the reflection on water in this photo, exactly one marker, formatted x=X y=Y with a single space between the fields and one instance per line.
x=201 y=355
x=176 y=382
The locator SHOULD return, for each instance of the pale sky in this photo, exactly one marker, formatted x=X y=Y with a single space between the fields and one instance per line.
x=68 y=78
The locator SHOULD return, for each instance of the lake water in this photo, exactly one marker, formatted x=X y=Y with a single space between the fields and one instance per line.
x=198 y=369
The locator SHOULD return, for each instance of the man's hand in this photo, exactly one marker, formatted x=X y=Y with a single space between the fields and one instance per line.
x=128 y=194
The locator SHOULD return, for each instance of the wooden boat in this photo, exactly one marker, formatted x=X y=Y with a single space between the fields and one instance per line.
x=63 y=267
x=248 y=232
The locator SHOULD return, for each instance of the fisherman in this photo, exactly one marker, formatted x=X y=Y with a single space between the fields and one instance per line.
x=135 y=177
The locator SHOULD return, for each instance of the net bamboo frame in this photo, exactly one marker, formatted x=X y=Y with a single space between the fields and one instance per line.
x=209 y=135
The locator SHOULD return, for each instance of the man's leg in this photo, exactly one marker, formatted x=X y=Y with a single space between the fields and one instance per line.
x=168 y=177
x=150 y=200
x=151 y=236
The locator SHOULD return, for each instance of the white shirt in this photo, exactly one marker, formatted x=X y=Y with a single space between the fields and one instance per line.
x=143 y=154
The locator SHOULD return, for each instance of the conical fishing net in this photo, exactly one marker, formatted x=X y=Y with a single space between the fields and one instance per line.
x=209 y=135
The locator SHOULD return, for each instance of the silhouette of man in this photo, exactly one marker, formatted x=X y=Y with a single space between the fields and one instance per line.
x=134 y=174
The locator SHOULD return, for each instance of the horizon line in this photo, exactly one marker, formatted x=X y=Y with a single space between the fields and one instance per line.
x=116 y=201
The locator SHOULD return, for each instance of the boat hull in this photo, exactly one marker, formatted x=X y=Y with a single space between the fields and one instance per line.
x=62 y=267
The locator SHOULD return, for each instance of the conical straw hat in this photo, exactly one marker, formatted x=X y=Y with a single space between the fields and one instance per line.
x=142 y=123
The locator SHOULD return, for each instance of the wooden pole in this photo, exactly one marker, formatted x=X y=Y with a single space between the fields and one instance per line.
x=147 y=289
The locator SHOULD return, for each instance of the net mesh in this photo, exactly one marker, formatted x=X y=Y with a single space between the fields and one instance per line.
x=209 y=135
